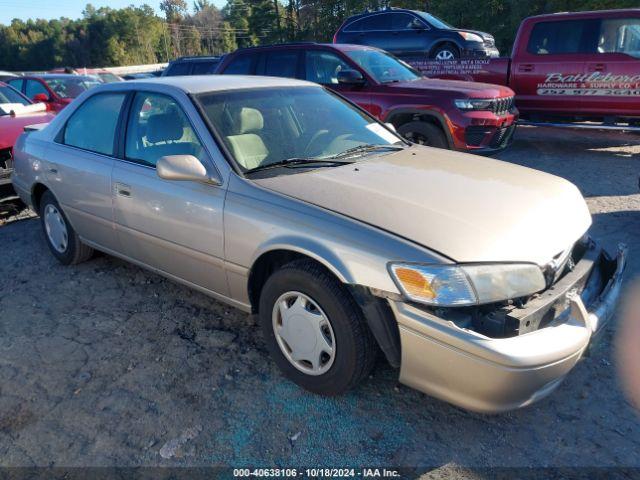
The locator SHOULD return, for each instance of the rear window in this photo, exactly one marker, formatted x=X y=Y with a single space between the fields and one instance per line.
x=204 y=68
x=281 y=64
x=564 y=37
x=241 y=65
x=179 y=68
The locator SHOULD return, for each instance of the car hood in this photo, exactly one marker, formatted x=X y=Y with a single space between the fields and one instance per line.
x=461 y=88
x=468 y=208
x=12 y=127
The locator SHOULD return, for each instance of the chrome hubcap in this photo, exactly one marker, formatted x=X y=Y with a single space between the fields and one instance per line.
x=445 y=55
x=56 y=228
x=304 y=333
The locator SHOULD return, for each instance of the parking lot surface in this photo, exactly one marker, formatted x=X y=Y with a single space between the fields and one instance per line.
x=105 y=364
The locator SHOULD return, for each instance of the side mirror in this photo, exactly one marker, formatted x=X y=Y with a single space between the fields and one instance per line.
x=183 y=168
x=41 y=98
x=350 y=77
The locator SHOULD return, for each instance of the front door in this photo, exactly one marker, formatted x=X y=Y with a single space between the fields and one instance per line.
x=173 y=226
x=548 y=72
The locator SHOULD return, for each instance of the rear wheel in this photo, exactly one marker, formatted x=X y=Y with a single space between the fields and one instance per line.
x=62 y=239
x=447 y=51
x=424 y=133
x=314 y=330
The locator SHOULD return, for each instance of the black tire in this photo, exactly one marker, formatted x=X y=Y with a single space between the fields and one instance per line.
x=356 y=349
x=424 y=133
x=446 y=47
x=75 y=251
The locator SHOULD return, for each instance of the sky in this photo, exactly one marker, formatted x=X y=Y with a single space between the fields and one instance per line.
x=47 y=9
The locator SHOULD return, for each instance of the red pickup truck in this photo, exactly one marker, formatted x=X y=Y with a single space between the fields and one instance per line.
x=566 y=67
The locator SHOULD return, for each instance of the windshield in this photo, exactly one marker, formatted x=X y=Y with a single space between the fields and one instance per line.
x=9 y=95
x=435 y=21
x=72 y=86
x=266 y=126
x=383 y=67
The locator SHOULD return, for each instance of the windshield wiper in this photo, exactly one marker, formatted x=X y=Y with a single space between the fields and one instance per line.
x=293 y=162
x=367 y=148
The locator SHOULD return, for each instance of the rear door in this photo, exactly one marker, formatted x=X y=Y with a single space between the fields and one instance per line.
x=613 y=68
x=81 y=160
x=548 y=69
x=373 y=30
x=172 y=226
x=322 y=66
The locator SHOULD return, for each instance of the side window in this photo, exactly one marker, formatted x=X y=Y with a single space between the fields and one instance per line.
x=180 y=68
x=241 y=65
x=282 y=63
x=379 y=21
x=16 y=83
x=571 y=36
x=33 y=88
x=93 y=125
x=620 y=35
x=402 y=21
x=158 y=127
x=323 y=67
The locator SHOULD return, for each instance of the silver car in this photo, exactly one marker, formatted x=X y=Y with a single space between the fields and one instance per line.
x=476 y=278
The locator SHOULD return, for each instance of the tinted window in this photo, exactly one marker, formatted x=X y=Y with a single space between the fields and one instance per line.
x=403 y=21
x=570 y=36
x=620 y=35
x=380 y=21
x=281 y=64
x=71 y=86
x=204 y=68
x=241 y=65
x=434 y=21
x=179 y=68
x=9 y=95
x=158 y=127
x=17 y=83
x=323 y=67
x=33 y=88
x=93 y=126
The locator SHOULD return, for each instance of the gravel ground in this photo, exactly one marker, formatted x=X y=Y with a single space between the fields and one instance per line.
x=104 y=364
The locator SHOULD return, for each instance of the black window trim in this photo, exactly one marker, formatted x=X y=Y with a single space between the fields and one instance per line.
x=411 y=14
x=60 y=137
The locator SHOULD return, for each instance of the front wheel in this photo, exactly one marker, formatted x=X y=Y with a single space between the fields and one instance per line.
x=62 y=239
x=424 y=133
x=446 y=52
x=314 y=330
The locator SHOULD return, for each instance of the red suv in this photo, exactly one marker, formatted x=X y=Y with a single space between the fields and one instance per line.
x=56 y=90
x=472 y=117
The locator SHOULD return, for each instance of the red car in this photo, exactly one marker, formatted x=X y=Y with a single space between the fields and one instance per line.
x=566 y=67
x=464 y=116
x=56 y=90
x=12 y=123
x=101 y=73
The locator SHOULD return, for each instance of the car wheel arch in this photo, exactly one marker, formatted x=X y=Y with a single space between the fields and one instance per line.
x=37 y=191
x=271 y=259
x=401 y=116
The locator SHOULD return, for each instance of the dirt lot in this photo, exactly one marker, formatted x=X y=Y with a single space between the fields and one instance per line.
x=106 y=364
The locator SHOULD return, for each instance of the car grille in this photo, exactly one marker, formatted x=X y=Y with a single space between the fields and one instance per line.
x=502 y=106
x=475 y=135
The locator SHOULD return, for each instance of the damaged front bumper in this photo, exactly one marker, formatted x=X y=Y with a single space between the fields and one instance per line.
x=486 y=374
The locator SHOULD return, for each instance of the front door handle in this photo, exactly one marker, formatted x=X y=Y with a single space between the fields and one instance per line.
x=599 y=67
x=527 y=67
x=123 y=190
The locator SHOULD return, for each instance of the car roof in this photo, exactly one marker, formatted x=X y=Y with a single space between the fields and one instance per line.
x=51 y=76
x=586 y=14
x=202 y=58
x=213 y=83
x=336 y=46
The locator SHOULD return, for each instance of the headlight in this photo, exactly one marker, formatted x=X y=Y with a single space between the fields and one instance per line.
x=464 y=285
x=471 y=37
x=474 y=104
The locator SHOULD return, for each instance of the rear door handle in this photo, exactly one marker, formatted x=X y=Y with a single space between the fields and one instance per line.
x=526 y=68
x=599 y=67
x=54 y=171
x=123 y=190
